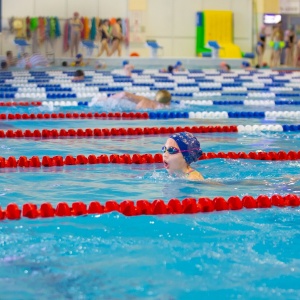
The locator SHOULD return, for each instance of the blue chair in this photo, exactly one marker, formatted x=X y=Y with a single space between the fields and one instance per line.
x=89 y=46
x=215 y=47
x=249 y=55
x=21 y=44
x=154 y=46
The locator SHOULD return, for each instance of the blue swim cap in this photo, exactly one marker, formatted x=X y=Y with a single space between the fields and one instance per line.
x=78 y=55
x=125 y=62
x=189 y=145
x=245 y=64
x=179 y=63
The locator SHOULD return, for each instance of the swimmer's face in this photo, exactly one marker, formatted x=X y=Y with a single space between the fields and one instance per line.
x=173 y=162
x=78 y=78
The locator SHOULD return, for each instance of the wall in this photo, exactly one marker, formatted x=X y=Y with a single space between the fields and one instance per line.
x=170 y=22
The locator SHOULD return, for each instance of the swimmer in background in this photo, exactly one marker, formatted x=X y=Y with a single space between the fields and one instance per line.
x=4 y=65
x=100 y=65
x=35 y=60
x=127 y=67
x=224 y=67
x=78 y=75
x=10 y=59
x=246 y=66
x=162 y=100
x=177 y=67
x=180 y=150
x=79 y=61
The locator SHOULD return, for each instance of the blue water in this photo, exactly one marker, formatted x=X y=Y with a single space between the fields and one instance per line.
x=229 y=255
x=247 y=254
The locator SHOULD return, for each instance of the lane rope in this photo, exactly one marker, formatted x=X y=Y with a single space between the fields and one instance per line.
x=92 y=159
x=145 y=207
x=157 y=115
x=98 y=132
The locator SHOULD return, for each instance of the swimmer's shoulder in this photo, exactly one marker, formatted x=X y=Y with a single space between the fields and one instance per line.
x=194 y=175
x=147 y=103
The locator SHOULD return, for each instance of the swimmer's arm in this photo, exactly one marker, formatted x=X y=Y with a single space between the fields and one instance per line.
x=131 y=97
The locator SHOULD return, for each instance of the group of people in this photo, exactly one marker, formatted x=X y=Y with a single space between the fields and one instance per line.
x=110 y=34
x=25 y=61
x=281 y=41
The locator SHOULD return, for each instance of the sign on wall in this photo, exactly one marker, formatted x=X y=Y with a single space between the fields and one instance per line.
x=137 y=26
x=289 y=6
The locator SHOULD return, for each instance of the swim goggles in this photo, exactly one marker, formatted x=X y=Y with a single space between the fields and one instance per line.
x=170 y=150
x=173 y=150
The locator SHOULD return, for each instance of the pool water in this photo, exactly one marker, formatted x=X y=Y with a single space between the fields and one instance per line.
x=246 y=254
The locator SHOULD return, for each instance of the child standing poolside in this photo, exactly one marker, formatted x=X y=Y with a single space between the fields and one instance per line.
x=180 y=150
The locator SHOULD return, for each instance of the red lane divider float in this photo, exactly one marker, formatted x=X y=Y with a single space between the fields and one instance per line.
x=33 y=103
x=103 y=115
x=144 y=207
x=58 y=133
x=47 y=161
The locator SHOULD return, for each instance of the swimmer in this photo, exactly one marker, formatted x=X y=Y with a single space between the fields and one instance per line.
x=127 y=67
x=170 y=69
x=162 y=100
x=224 y=67
x=4 y=65
x=178 y=67
x=10 y=59
x=246 y=66
x=100 y=65
x=78 y=62
x=180 y=150
x=78 y=75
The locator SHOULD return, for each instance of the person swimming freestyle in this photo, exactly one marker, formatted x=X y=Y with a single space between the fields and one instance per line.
x=179 y=152
x=162 y=100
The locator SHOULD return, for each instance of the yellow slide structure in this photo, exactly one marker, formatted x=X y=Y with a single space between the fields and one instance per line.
x=219 y=27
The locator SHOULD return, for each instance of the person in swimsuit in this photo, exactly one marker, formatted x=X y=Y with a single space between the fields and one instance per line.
x=288 y=58
x=261 y=45
x=117 y=37
x=104 y=37
x=297 y=55
x=76 y=28
x=180 y=150
x=276 y=52
x=292 y=42
x=162 y=100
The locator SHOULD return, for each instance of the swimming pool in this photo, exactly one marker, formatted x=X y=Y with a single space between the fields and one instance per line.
x=226 y=254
